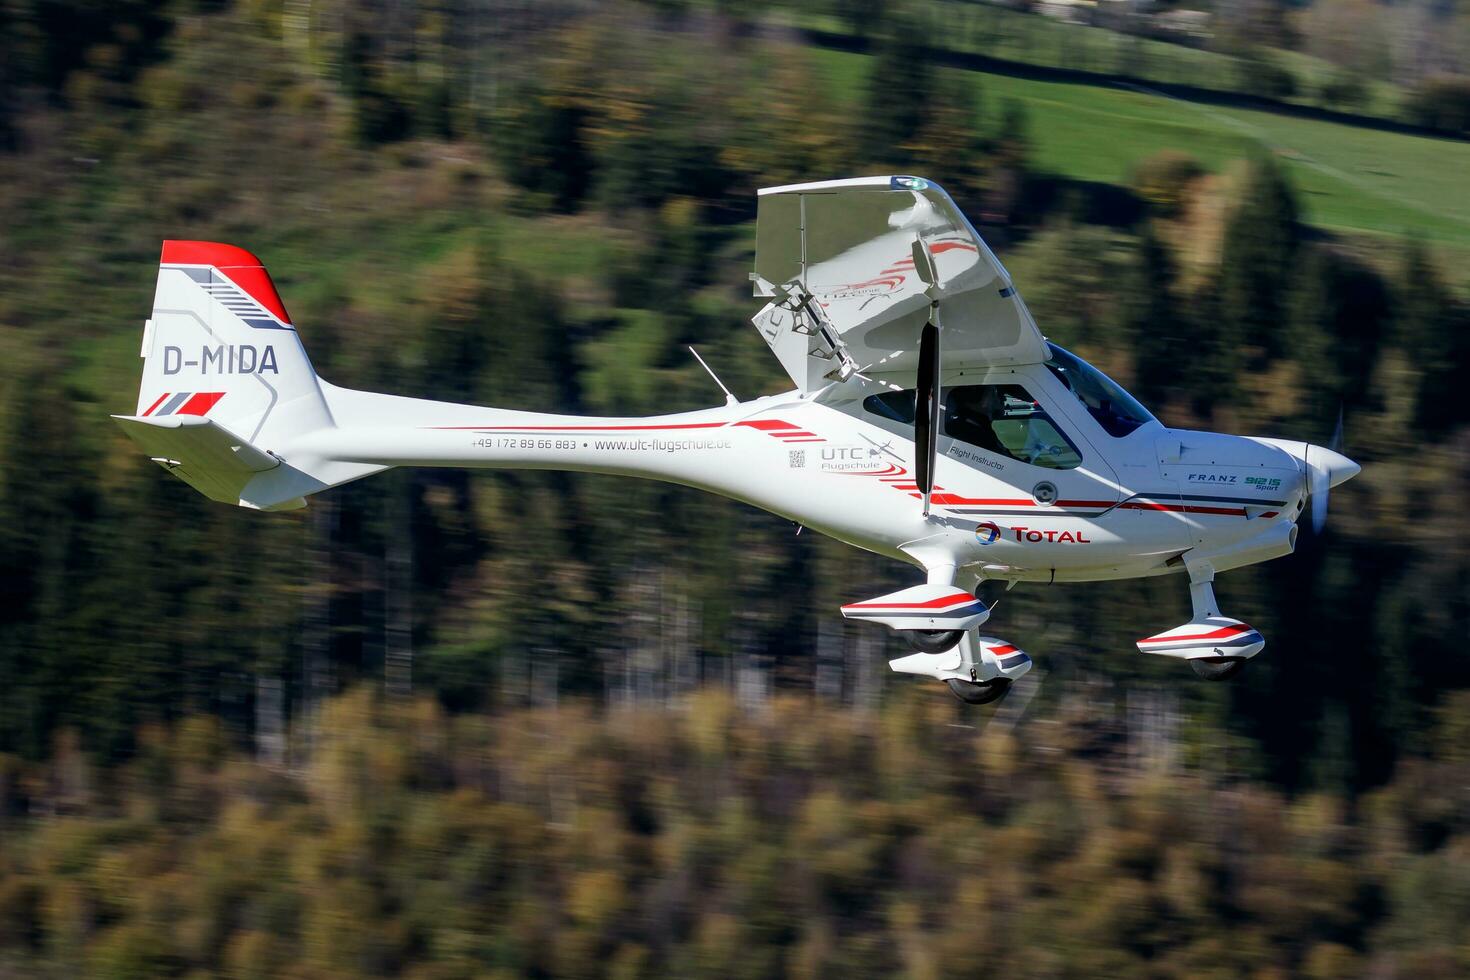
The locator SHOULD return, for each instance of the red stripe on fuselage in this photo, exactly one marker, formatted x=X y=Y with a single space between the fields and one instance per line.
x=579 y=428
x=157 y=403
x=955 y=500
x=767 y=425
x=774 y=427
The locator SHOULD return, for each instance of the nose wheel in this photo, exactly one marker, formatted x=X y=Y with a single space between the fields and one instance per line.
x=1217 y=668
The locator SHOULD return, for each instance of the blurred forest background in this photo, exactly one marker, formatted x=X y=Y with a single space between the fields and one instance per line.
x=444 y=724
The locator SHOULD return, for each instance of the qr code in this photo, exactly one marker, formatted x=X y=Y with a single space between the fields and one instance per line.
x=798 y=458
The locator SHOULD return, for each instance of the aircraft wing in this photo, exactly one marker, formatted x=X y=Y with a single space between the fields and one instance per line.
x=837 y=260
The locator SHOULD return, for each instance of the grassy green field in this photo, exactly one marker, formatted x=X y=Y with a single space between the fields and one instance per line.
x=1030 y=39
x=1353 y=179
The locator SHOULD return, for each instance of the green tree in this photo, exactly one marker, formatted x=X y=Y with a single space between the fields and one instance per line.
x=1262 y=234
x=47 y=538
x=862 y=17
x=1151 y=320
x=378 y=115
x=896 y=103
x=1007 y=165
x=1341 y=314
x=542 y=143
x=670 y=148
x=948 y=146
x=1433 y=330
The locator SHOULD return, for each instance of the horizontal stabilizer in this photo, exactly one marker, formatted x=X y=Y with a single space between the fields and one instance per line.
x=202 y=453
x=923 y=607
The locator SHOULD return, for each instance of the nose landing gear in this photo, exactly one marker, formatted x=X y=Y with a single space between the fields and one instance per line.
x=1216 y=646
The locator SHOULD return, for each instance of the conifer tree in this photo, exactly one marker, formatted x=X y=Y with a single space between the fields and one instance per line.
x=1434 y=332
x=1261 y=240
x=899 y=87
x=948 y=146
x=543 y=145
x=1151 y=320
x=1007 y=165
x=1340 y=314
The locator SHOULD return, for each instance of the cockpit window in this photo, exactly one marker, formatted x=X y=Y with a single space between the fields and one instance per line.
x=1004 y=419
x=897 y=406
x=1105 y=400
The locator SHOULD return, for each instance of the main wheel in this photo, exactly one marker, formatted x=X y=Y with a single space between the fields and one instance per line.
x=972 y=692
x=1217 y=668
x=932 y=641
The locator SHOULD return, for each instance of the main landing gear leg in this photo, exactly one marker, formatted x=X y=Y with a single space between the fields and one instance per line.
x=938 y=641
x=940 y=621
x=977 y=669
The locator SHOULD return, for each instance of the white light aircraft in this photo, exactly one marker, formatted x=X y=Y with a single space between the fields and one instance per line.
x=930 y=422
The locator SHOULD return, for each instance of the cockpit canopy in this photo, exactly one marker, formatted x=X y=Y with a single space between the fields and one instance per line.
x=1007 y=419
x=1118 y=412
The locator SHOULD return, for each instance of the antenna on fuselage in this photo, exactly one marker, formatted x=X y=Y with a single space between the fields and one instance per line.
x=730 y=399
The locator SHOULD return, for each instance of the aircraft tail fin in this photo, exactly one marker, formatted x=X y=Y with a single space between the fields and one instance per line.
x=220 y=345
x=226 y=379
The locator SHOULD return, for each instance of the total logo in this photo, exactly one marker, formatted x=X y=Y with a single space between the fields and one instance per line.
x=989 y=532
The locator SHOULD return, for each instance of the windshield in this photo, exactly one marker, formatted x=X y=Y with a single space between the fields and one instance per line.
x=1105 y=400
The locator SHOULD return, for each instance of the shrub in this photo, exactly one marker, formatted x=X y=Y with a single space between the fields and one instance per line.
x=1442 y=103
x=1343 y=90
x=1266 y=78
x=1164 y=178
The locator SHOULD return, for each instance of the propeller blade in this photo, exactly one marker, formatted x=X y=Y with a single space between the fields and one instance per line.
x=1320 y=473
x=1320 y=488
x=926 y=412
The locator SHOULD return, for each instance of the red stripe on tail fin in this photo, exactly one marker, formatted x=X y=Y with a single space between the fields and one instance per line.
x=201 y=403
x=235 y=264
